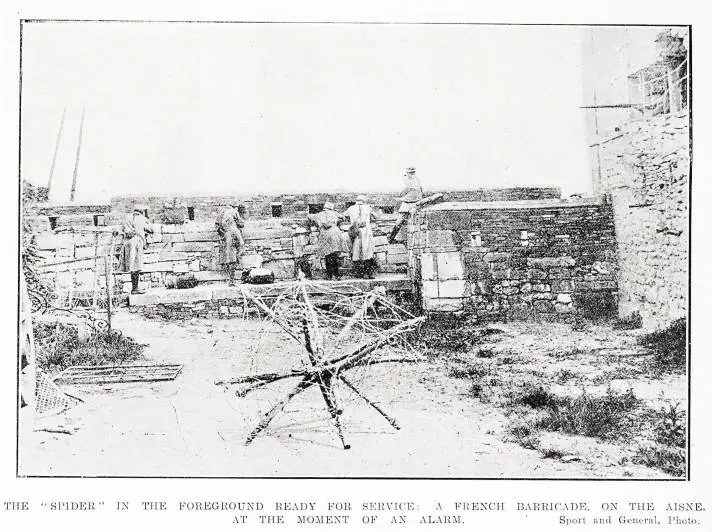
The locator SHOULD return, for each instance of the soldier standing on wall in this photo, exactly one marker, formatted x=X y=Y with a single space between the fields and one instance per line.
x=228 y=225
x=134 y=230
x=412 y=194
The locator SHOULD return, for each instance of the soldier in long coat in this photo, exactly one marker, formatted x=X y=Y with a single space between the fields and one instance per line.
x=134 y=230
x=228 y=225
x=363 y=249
x=330 y=242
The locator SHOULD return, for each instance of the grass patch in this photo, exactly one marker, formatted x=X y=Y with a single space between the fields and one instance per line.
x=57 y=347
x=670 y=426
x=672 y=460
x=585 y=415
x=627 y=323
x=468 y=372
x=669 y=346
x=452 y=335
x=565 y=375
x=568 y=354
x=524 y=434
x=554 y=454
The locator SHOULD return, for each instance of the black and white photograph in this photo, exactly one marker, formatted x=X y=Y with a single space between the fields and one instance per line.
x=354 y=250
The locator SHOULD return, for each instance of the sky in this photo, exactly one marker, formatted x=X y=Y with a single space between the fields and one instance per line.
x=200 y=109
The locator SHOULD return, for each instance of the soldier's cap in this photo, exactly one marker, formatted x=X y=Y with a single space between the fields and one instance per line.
x=329 y=205
x=360 y=197
x=410 y=170
x=139 y=207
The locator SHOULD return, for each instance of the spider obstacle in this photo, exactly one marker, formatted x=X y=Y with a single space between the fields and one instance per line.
x=325 y=365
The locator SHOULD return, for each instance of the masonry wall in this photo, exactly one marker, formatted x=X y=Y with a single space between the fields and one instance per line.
x=529 y=261
x=175 y=249
x=646 y=173
x=259 y=206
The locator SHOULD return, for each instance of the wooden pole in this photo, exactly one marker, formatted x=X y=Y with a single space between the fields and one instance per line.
x=108 y=263
x=54 y=155
x=76 y=160
x=96 y=273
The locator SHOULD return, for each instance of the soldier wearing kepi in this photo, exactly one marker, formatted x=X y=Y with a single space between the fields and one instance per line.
x=412 y=194
x=228 y=225
x=134 y=230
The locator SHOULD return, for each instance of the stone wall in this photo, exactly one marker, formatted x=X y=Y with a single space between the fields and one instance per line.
x=516 y=260
x=193 y=247
x=260 y=206
x=646 y=173
x=290 y=208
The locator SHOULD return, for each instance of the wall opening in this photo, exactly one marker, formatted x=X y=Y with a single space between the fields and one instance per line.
x=277 y=210
x=191 y=213
x=388 y=209
x=53 y=222
x=315 y=208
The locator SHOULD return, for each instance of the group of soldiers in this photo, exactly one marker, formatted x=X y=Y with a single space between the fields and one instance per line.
x=331 y=243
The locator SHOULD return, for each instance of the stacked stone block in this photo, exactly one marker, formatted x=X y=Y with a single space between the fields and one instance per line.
x=650 y=198
x=519 y=262
x=193 y=248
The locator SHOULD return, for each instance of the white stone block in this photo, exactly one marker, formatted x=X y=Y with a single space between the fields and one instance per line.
x=452 y=289
x=564 y=298
x=428 y=268
x=450 y=266
x=430 y=290
x=445 y=305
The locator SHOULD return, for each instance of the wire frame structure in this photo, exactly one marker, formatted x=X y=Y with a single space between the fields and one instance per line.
x=340 y=334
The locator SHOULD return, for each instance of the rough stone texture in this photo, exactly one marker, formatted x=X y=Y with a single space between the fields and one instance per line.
x=519 y=267
x=205 y=208
x=193 y=246
x=277 y=243
x=646 y=172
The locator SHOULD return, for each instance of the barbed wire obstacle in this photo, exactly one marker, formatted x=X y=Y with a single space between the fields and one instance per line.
x=338 y=331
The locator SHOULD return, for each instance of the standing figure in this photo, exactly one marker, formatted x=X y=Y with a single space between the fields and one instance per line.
x=134 y=229
x=228 y=225
x=412 y=194
x=363 y=245
x=330 y=243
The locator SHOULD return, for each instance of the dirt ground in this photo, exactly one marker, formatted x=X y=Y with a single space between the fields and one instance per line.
x=191 y=427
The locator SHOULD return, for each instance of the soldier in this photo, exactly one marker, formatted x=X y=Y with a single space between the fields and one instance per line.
x=363 y=250
x=228 y=225
x=412 y=194
x=134 y=230
x=330 y=243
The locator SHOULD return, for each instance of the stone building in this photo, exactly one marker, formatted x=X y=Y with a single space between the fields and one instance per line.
x=640 y=158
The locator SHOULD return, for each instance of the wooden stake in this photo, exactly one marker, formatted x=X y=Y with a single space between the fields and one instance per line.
x=276 y=409
x=96 y=273
x=109 y=262
x=76 y=160
x=54 y=156
x=373 y=405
